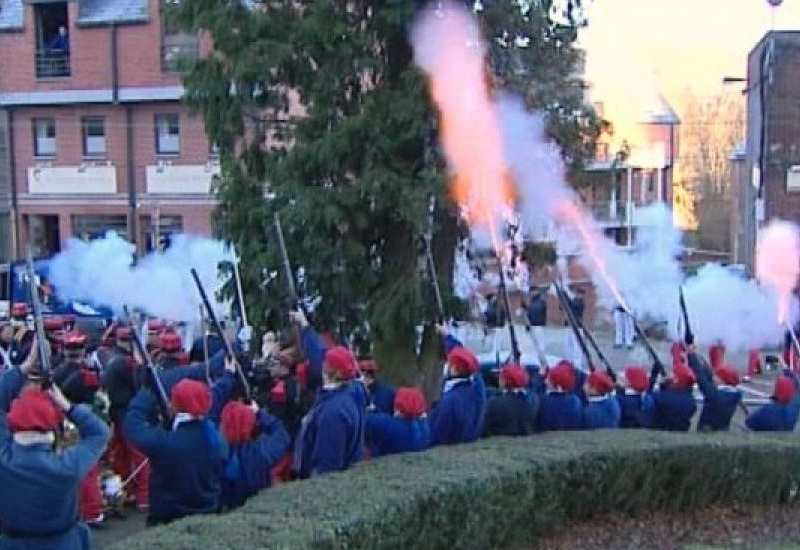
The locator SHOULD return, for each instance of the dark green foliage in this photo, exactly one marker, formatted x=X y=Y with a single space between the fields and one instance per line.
x=540 y=254
x=500 y=493
x=362 y=152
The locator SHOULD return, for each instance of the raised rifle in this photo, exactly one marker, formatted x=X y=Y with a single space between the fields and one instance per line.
x=512 y=333
x=158 y=386
x=212 y=316
x=238 y=280
x=43 y=349
x=688 y=336
x=590 y=338
x=427 y=239
x=430 y=268
x=287 y=266
x=566 y=305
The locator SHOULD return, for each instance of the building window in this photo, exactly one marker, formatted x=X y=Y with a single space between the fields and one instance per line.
x=168 y=134
x=44 y=137
x=179 y=48
x=52 y=40
x=157 y=232
x=95 y=227
x=94 y=136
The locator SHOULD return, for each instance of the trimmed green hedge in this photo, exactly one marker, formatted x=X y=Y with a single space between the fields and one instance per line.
x=499 y=492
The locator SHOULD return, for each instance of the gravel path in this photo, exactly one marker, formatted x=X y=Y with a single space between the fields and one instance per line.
x=735 y=527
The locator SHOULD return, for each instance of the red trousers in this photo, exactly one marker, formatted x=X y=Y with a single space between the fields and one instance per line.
x=282 y=471
x=125 y=459
x=91 y=499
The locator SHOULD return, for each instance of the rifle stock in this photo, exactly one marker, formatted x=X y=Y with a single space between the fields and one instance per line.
x=45 y=364
x=212 y=316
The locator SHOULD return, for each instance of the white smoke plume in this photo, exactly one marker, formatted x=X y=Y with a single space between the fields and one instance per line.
x=723 y=306
x=101 y=273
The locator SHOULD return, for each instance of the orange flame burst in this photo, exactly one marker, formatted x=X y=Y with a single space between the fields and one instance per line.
x=590 y=243
x=448 y=46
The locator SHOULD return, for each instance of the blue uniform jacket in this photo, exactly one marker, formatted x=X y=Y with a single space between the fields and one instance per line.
x=331 y=437
x=670 y=409
x=719 y=403
x=314 y=349
x=185 y=463
x=511 y=413
x=559 y=411
x=381 y=396
x=248 y=465
x=39 y=487
x=387 y=434
x=601 y=412
x=458 y=417
x=776 y=417
x=631 y=406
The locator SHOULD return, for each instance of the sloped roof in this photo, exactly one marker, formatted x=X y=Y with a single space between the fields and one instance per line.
x=660 y=112
x=90 y=12
x=100 y=12
x=11 y=15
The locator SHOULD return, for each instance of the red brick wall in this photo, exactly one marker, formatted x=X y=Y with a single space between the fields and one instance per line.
x=138 y=46
x=69 y=140
x=783 y=134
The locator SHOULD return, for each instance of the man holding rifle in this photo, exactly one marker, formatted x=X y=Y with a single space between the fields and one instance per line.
x=39 y=503
x=187 y=456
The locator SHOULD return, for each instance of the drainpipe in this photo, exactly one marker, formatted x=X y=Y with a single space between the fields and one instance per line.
x=12 y=167
x=132 y=225
x=114 y=66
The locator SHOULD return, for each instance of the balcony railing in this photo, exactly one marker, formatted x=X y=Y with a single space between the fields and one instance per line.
x=52 y=64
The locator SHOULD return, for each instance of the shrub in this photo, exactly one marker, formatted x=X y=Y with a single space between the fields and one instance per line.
x=499 y=492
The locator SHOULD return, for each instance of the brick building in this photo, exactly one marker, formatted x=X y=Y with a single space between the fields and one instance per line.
x=622 y=183
x=769 y=178
x=94 y=136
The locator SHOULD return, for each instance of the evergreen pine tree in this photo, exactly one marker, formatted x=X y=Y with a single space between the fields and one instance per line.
x=321 y=116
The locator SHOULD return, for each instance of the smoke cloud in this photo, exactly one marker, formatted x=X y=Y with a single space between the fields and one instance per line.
x=723 y=306
x=101 y=273
x=778 y=261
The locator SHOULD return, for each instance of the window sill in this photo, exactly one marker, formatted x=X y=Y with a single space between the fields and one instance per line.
x=44 y=158
x=95 y=158
x=53 y=78
x=168 y=155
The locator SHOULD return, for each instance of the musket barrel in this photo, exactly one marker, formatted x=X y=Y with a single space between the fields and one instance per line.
x=161 y=393
x=42 y=348
x=212 y=316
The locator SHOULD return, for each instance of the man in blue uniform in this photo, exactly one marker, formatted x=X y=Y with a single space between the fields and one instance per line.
x=601 y=409
x=673 y=407
x=39 y=501
x=256 y=442
x=459 y=415
x=632 y=397
x=513 y=412
x=781 y=414
x=185 y=461
x=719 y=400
x=380 y=395
x=331 y=436
x=561 y=409
x=404 y=432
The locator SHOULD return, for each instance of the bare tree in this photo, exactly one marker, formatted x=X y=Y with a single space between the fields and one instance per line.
x=711 y=128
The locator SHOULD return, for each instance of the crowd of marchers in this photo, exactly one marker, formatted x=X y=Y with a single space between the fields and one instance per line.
x=76 y=440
